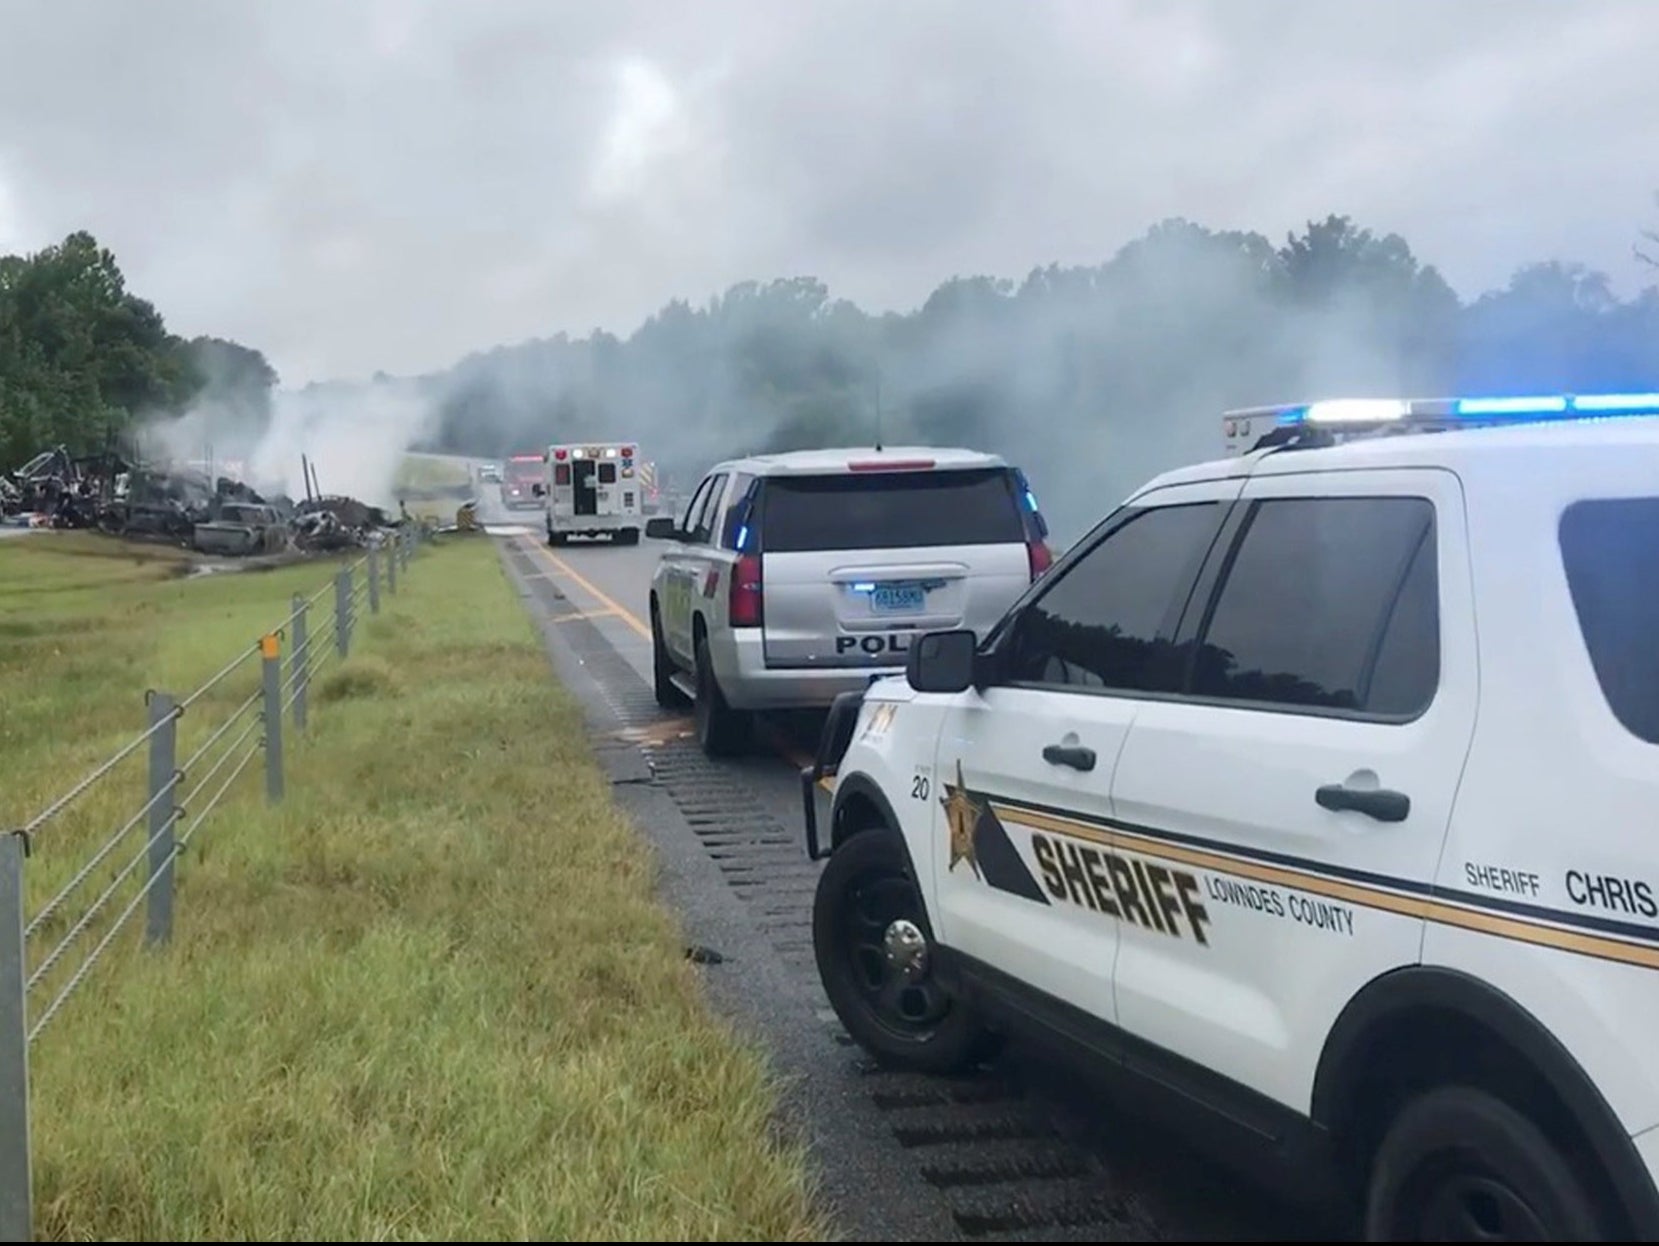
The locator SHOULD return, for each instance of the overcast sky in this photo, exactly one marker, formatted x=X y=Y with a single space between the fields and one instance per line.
x=353 y=185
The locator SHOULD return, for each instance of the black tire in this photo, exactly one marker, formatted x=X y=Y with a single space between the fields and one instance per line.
x=556 y=539
x=721 y=730
x=662 y=668
x=627 y=536
x=1460 y=1165
x=912 y=1024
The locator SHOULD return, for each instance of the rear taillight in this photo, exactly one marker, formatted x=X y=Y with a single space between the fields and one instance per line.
x=1041 y=559
x=743 y=602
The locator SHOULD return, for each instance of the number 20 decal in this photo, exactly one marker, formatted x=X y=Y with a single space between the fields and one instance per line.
x=918 y=787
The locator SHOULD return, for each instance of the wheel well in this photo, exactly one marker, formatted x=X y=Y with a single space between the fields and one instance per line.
x=858 y=812
x=1417 y=1048
x=699 y=629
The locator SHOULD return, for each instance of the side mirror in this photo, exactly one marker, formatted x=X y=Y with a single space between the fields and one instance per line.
x=539 y=490
x=661 y=529
x=943 y=661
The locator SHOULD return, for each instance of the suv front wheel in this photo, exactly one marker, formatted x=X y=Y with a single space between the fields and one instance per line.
x=1460 y=1165
x=874 y=949
x=667 y=692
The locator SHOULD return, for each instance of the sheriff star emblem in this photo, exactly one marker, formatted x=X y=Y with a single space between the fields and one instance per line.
x=962 y=815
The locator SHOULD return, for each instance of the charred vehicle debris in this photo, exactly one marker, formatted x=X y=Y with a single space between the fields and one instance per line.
x=184 y=504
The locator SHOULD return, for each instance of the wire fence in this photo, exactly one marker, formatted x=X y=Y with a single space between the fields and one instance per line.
x=225 y=726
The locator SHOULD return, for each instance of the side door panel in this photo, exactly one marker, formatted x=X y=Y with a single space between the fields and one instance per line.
x=676 y=594
x=701 y=554
x=1025 y=877
x=1234 y=781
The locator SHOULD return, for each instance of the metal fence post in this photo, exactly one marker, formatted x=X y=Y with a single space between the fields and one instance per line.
x=373 y=573
x=270 y=652
x=394 y=551
x=158 y=912
x=298 y=658
x=16 y=1177
x=342 y=611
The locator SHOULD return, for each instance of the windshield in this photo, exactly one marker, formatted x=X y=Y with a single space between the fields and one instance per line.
x=523 y=472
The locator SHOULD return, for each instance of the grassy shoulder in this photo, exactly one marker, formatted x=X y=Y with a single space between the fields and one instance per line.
x=432 y=996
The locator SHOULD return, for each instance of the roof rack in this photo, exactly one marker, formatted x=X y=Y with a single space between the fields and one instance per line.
x=1306 y=425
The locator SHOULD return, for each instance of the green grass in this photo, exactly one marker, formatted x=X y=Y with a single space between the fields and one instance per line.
x=430 y=997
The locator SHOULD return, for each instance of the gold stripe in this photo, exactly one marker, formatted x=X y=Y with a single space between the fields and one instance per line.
x=1447 y=913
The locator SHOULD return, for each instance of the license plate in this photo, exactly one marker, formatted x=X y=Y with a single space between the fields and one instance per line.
x=897 y=598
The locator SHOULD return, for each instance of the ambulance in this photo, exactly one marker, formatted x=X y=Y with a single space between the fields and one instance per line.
x=593 y=490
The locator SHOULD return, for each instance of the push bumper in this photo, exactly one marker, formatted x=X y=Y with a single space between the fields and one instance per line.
x=833 y=743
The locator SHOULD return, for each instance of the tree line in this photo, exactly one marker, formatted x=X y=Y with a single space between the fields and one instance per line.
x=1093 y=376
x=83 y=359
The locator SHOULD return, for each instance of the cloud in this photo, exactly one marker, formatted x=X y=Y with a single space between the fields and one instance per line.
x=390 y=185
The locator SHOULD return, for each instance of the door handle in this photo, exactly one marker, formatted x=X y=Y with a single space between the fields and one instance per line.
x=1075 y=756
x=1378 y=803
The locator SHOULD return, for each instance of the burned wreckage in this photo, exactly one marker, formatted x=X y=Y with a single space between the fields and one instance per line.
x=183 y=504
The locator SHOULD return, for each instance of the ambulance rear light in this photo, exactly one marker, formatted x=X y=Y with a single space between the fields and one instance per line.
x=890 y=465
x=560 y=455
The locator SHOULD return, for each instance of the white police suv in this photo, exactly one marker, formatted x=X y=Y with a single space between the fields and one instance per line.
x=793 y=577
x=1313 y=792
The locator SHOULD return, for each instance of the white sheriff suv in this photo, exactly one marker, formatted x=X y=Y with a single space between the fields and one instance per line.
x=1310 y=793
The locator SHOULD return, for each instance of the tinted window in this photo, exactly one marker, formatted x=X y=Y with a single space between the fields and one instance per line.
x=693 y=508
x=734 y=512
x=607 y=473
x=1106 y=622
x=703 y=523
x=1329 y=603
x=1610 y=549
x=885 y=510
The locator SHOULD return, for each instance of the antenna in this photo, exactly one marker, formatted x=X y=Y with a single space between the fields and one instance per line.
x=878 y=410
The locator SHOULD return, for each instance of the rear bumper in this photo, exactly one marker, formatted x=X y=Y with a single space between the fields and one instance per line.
x=594 y=523
x=749 y=684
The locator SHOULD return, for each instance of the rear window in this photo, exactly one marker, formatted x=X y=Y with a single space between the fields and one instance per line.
x=1610 y=551
x=885 y=510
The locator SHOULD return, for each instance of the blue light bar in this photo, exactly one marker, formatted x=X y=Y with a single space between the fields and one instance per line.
x=1616 y=402
x=1362 y=415
x=1510 y=406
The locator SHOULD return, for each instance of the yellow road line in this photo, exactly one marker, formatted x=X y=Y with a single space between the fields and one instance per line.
x=612 y=606
x=625 y=614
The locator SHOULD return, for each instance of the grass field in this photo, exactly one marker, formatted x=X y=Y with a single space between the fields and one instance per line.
x=430 y=997
x=417 y=473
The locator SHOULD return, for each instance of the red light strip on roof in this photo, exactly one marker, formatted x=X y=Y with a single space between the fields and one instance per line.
x=890 y=465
